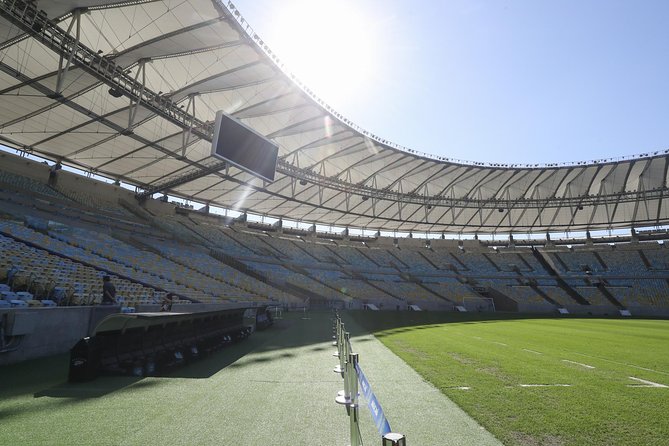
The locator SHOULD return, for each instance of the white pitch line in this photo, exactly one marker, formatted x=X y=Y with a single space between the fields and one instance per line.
x=532 y=351
x=544 y=385
x=646 y=383
x=499 y=343
x=622 y=363
x=458 y=388
x=579 y=363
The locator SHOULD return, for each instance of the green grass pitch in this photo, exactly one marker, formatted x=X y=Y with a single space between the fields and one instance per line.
x=546 y=381
x=528 y=381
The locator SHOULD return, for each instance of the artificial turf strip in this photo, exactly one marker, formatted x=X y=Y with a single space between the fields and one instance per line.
x=595 y=357
x=277 y=387
x=413 y=406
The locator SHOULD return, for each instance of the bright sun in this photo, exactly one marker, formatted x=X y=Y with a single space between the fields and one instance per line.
x=328 y=45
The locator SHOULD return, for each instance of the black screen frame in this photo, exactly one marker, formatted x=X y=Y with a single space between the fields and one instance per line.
x=243 y=147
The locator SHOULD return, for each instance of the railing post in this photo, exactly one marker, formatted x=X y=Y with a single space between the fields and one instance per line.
x=343 y=352
x=393 y=439
x=348 y=364
x=344 y=396
x=338 y=342
x=336 y=330
x=354 y=418
x=339 y=368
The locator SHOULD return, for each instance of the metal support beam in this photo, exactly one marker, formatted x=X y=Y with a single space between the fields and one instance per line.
x=182 y=179
x=188 y=133
x=62 y=70
x=72 y=51
x=134 y=103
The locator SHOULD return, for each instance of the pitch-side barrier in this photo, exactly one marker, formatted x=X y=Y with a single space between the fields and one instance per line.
x=355 y=383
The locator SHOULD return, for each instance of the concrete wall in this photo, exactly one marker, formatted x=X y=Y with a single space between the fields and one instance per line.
x=591 y=310
x=48 y=331
x=25 y=167
x=649 y=312
x=536 y=308
x=68 y=181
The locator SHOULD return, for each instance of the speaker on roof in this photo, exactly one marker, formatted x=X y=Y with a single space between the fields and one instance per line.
x=115 y=93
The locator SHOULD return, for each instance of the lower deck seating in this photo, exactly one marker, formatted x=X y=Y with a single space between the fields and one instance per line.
x=66 y=265
x=37 y=276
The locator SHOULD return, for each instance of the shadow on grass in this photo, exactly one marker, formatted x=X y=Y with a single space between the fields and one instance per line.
x=93 y=389
x=227 y=357
x=47 y=377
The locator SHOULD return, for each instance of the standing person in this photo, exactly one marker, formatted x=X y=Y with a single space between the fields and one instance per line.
x=166 y=304
x=108 y=291
x=53 y=173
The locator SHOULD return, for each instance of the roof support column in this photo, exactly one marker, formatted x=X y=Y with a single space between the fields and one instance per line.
x=134 y=105
x=187 y=133
x=70 y=47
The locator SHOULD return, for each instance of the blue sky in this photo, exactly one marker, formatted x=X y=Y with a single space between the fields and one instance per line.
x=482 y=80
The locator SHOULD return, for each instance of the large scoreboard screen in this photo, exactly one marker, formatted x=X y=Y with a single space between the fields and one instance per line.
x=243 y=147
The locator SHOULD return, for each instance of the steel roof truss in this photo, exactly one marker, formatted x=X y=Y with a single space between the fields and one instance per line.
x=620 y=193
x=187 y=133
x=341 y=152
x=63 y=69
x=183 y=179
x=664 y=186
x=134 y=103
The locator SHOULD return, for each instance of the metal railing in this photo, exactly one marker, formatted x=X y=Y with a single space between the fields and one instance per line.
x=349 y=368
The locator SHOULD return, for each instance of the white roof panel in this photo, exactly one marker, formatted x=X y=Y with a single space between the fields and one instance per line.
x=198 y=57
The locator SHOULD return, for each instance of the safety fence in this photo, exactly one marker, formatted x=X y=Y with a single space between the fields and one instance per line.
x=355 y=383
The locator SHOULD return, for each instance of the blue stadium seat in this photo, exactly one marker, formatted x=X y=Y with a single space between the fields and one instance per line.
x=24 y=295
x=8 y=295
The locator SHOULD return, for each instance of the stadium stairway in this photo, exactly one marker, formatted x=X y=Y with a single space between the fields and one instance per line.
x=427 y=259
x=315 y=300
x=357 y=276
x=645 y=260
x=323 y=283
x=541 y=293
x=502 y=301
x=418 y=282
x=560 y=281
x=292 y=289
x=610 y=296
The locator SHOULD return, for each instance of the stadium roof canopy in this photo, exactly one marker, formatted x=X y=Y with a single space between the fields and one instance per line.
x=129 y=89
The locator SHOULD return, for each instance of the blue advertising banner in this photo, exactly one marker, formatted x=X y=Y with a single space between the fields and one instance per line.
x=374 y=407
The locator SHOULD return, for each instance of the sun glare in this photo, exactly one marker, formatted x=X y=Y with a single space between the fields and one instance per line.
x=328 y=45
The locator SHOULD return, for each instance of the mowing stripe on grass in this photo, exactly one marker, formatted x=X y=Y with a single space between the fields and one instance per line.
x=597 y=409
